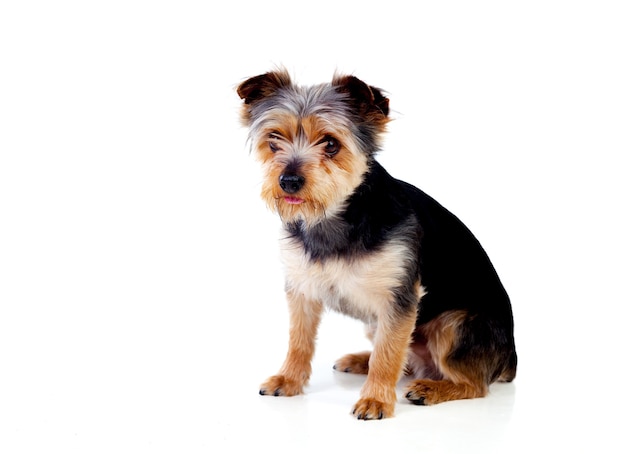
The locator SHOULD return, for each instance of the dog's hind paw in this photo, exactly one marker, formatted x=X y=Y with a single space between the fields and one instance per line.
x=356 y=363
x=279 y=385
x=422 y=392
x=430 y=392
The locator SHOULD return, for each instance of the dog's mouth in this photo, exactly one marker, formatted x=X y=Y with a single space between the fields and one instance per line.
x=293 y=200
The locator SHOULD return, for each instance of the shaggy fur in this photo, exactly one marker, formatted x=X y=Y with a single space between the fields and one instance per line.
x=358 y=241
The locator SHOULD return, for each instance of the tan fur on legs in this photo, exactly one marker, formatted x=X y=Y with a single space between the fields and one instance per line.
x=458 y=382
x=304 y=318
x=430 y=392
x=386 y=364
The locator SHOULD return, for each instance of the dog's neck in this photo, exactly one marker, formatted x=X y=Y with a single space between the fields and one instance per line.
x=340 y=232
x=330 y=237
x=369 y=217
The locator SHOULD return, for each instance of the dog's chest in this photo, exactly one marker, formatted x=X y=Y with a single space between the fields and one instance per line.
x=360 y=286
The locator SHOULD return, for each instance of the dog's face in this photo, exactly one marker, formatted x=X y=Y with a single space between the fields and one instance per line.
x=314 y=143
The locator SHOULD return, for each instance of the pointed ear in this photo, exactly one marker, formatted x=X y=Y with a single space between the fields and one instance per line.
x=369 y=100
x=259 y=87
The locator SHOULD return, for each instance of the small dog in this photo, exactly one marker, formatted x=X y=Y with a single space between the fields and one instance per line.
x=360 y=242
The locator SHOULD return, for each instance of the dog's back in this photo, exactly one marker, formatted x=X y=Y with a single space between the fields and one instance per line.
x=459 y=278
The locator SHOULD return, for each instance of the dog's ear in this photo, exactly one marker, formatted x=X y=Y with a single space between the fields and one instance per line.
x=259 y=87
x=369 y=100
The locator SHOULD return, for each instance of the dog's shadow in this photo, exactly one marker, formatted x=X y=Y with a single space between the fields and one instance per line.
x=346 y=387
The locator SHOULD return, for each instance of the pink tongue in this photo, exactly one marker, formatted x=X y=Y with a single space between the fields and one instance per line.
x=293 y=200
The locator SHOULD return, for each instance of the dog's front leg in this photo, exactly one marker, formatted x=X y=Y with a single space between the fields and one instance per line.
x=386 y=363
x=304 y=318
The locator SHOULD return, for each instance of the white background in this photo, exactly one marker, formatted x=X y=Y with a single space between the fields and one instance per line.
x=140 y=288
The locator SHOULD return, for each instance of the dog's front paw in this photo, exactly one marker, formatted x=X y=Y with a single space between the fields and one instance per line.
x=368 y=409
x=279 y=385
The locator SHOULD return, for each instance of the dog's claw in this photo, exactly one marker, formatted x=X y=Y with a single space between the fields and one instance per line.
x=362 y=416
x=277 y=392
x=359 y=415
x=415 y=400
x=367 y=409
x=279 y=385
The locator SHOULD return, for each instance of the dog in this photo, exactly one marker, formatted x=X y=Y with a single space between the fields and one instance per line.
x=358 y=241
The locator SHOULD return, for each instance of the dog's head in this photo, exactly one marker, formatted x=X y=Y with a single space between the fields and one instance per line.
x=315 y=143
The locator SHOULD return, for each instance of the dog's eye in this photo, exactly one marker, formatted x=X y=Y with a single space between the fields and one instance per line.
x=331 y=146
x=272 y=142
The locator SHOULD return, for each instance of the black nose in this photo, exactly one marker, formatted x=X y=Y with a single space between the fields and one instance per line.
x=291 y=183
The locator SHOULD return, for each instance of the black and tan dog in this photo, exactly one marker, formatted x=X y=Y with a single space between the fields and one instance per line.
x=358 y=241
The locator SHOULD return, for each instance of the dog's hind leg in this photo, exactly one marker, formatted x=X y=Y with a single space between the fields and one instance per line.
x=470 y=352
